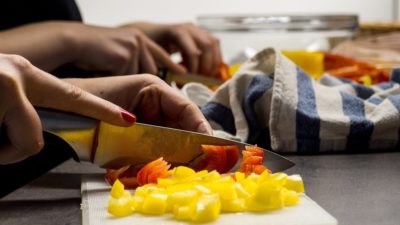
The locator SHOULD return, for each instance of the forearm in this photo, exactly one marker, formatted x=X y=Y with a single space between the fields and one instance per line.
x=47 y=45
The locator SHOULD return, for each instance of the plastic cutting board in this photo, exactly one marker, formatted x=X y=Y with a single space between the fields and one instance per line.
x=95 y=194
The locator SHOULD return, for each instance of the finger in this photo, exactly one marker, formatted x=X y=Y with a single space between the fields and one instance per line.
x=133 y=66
x=192 y=119
x=148 y=100
x=208 y=45
x=163 y=57
x=147 y=63
x=206 y=63
x=24 y=131
x=67 y=97
x=217 y=59
x=186 y=114
x=189 y=50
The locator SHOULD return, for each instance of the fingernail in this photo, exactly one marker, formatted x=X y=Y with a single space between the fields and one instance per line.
x=128 y=117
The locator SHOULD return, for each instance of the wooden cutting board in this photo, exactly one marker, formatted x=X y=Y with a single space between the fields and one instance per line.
x=95 y=194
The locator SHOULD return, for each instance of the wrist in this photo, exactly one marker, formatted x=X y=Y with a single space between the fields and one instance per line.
x=156 y=32
x=71 y=35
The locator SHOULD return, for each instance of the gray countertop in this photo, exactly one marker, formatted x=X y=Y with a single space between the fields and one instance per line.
x=355 y=189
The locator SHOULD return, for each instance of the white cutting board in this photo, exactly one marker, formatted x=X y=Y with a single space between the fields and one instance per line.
x=95 y=194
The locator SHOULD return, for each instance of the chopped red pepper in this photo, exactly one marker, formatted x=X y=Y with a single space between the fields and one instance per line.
x=219 y=158
x=252 y=162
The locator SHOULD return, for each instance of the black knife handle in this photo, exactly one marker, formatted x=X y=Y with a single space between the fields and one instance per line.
x=55 y=152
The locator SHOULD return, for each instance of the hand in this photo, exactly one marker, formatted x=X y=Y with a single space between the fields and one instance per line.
x=122 y=50
x=22 y=86
x=200 y=50
x=150 y=98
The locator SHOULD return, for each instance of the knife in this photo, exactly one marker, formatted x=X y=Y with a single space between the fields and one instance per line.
x=111 y=146
x=69 y=135
x=169 y=76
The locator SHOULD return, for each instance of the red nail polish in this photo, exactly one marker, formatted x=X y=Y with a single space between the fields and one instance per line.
x=129 y=117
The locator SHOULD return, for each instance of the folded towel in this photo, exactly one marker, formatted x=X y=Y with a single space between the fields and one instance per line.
x=273 y=103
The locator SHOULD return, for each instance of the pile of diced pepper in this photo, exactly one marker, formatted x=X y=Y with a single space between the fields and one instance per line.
x=202 y=196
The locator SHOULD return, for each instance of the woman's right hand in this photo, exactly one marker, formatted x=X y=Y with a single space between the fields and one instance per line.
x=111 y=51
x=120 y=50
x=23 y=86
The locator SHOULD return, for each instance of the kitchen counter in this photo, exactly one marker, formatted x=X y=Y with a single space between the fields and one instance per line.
x=355 y=189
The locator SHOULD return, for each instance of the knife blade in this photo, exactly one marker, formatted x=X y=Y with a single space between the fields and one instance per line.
x=169 y=76
x=111 y=146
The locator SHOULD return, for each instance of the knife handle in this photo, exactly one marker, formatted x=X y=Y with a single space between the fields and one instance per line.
x=55 y=151
x=16 y=175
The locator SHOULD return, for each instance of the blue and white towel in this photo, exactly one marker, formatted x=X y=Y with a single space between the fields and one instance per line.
x=273 y=103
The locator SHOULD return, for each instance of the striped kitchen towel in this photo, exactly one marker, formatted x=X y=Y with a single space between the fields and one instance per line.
x=273 y=103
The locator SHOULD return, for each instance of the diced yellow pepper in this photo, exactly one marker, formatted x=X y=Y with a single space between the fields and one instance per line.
x=155 y=204
x=290 y=197
x=250 y=186
x=252 y=177
x=197 y=175
x=117 y=190
x=137 y=202
x=279 y=178
x=146 y=189
x=240 y=191
x=181 y=198
x=211 y=176
x=182 y=172
x=239 y=176
x=268 y=196
x=202 y=189
x=206 y=209
x=183 y=212
x=164 y=182
x=120 y=207
x=295 y=183
x=179 y=187
x=226 y=190
x=224 y=179
x=234 y=205
x=200 y=197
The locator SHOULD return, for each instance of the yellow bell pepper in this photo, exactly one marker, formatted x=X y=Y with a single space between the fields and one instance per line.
x=183 y=212
x=120 y=203
x=234 y=205
x=155 y=204
x=239 y=176
x=295 y=183
x=311 y=62
x=290 y=197
x=182 y=172
x=120 y=207
x=366 y=80
x=117 y=190
x=181 y=198
x=201 y=196
x=207 y=209
x=268 y=196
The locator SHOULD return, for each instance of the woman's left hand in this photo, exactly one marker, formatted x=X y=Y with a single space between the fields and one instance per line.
x=150 y=98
